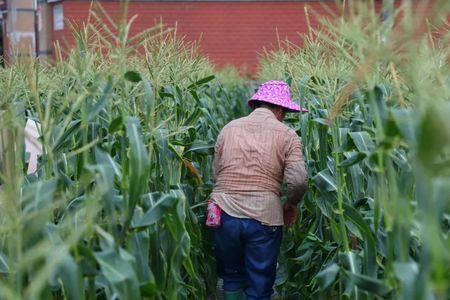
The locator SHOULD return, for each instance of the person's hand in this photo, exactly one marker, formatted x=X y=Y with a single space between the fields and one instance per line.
x=289 y=214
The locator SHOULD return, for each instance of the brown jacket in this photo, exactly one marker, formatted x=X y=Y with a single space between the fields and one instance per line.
x=252 y=156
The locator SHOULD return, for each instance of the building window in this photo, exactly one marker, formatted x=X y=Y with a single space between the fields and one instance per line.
x=58 y=17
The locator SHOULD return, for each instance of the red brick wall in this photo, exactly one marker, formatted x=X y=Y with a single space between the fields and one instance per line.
x=5 y=40
x=232 y=32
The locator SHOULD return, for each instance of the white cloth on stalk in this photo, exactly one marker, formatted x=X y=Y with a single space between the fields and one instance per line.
x=32 y=144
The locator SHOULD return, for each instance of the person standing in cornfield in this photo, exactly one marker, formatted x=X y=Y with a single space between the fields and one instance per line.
x=252 y=157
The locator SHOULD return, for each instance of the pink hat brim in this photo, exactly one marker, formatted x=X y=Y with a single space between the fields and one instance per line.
x=291 y=107
x=294 y=107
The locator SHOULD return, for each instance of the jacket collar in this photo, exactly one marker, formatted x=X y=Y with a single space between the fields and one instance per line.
x=262 y=111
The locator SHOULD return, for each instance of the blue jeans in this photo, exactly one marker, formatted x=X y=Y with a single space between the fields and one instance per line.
x=246 y=255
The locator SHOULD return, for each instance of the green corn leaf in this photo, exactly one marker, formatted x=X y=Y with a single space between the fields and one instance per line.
x=322 y=121
x=404 y=122
x=118 y=267
x=161 y=136
x=353 y=158
x=38 y=195
x=369 y=284
x=71 y=278
x=140 y=250
x=407 y=273
x=116 y=125
x=433 y=134
x=193 y=118
x=105 y=159
x=95 y=109
x=370 y=263
x=363 y=141
x=165 y=204
x=378 y=95
x=201 y=81
x=324 y=206
x=357 y=181
x=150 y=290
x=3 y=264
x=148 y=99
x=139 y=162
x=212 y=121
x=327 y=276
x=324 y=180
x=303 y=87
x=133 y=76
x=201 y=147
x=67 y=271
x=63 y=137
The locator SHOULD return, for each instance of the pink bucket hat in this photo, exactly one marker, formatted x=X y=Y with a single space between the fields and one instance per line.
x=276 y=92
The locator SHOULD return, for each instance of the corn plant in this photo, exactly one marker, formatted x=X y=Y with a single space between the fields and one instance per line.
x=115 y=208
x=128 y=125
x=375 y=223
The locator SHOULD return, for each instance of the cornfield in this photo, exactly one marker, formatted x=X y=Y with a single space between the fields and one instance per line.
x=128 y=125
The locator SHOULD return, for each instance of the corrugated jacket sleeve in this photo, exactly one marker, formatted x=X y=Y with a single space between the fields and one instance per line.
x=295 y=174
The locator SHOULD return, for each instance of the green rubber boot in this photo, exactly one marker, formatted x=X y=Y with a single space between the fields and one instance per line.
x=234 y=295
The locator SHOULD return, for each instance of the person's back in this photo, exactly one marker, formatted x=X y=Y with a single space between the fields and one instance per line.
x=252 y=157
x=254 y=145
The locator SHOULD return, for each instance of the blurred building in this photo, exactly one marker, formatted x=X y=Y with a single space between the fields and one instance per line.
x=231 y=32
x=2 y=5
